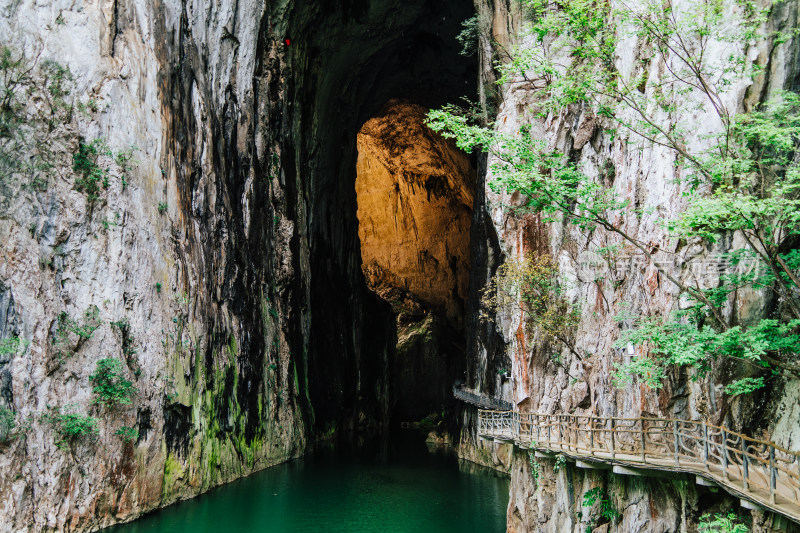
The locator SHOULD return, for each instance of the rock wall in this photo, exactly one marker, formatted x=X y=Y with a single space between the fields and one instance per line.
x=414 y=192
x=645 y=176
x=220 y=264
x=183 y=262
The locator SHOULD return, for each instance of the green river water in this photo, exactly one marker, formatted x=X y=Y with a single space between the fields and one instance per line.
x=396 y=486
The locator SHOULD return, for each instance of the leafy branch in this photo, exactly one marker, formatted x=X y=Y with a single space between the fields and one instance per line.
x=745 y=182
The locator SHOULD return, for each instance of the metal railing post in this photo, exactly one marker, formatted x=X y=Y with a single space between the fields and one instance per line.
x=591 y=435
x=773 y=475
x=641 y=434
x=570 y=428
x=612 y=436
x=745 y=469
x=724 y=454
x=538 y=430
x=705 y=446
x=675 y=439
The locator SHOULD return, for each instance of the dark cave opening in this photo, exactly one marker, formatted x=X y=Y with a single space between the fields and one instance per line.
x=415 y=193
x=354 y=59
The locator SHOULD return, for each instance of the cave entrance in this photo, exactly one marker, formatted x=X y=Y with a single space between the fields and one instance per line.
x=414 y=194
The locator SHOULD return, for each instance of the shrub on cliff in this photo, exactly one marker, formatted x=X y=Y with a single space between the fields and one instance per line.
x=8 y=421
x=70 y=426
x=111 y=388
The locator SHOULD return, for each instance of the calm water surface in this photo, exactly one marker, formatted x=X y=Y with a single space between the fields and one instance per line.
x=379 y=487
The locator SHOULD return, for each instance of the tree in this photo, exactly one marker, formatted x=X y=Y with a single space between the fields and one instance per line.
x=745 y=182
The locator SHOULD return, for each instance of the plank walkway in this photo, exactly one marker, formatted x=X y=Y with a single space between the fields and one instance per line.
x=756 y=471
x=477 y=399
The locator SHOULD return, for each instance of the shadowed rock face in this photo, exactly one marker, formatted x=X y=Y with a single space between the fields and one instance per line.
x=252 y=326
x=414 y=194
x=347 y=62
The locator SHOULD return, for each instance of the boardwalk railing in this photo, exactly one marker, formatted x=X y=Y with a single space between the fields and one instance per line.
x=756 y=470
x=480 y=400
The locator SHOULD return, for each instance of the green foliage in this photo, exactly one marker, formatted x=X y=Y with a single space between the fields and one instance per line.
x=8 y=422
x=744 y=386
x=128 y=348
x=127 y=434
x=685 y=343
x=34 y=105
x=111 y=388
x=431 y=421
x=747 y=183
x=91 y=176
x=469 y=36
x=37 y=128
x=158 y=287
x=162 y=207
x=720 y=523
x=122 y=324
x=535 y=467
x=561 y=462
x=12 y=347
x=83 y=329
x=125 y=162
x=70 y=426
x=532 y=285
x=607 y=511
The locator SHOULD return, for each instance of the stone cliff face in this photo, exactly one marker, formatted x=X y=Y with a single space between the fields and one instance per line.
x=209 y=243
x=414 y=194
x=571 y=385
x=181 y=267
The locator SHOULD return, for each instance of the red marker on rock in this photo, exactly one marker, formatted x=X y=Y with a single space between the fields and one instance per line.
x=287 y=41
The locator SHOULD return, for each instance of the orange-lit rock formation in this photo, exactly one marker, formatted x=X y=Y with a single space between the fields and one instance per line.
x=414 y=208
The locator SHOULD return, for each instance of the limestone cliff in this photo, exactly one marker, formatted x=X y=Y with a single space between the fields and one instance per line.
x=644 y=175
x=145 y=265
x=177 y=194
x=414 y=194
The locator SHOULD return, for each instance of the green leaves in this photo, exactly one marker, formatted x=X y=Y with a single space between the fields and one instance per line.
x=83 y=329
x=743 y=188
x=91 y=175
x=532 y=284
x=70 y=426
x=744 y=386
x=755 y=179
x=8 y=422
x=551 y=183
x=469 y=35
x=111 y=388
x=722 y=523
x=127 y=434
x=686 y=343
x=35 y=101
x=607 y=511
x=12 y=347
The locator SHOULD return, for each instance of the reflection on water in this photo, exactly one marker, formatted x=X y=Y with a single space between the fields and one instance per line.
x=379 y=486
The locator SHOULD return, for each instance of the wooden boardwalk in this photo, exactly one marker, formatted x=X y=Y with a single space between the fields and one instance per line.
x=479 y=400
x=758 y=472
